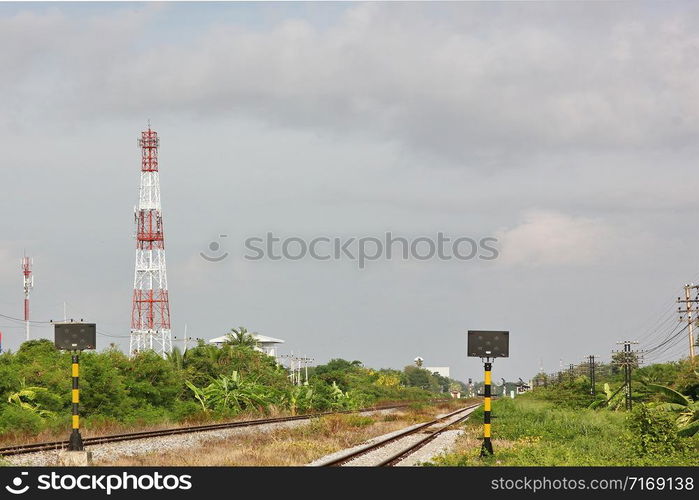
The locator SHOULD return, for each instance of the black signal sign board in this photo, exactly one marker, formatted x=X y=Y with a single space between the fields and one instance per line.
x=488 y=344
x=75 y=336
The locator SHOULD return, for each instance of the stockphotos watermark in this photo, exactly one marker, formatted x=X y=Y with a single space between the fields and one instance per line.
x=361 y=249
x=108 y=483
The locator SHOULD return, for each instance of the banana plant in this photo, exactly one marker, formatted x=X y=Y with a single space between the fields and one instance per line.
x=230 y=393
x=199 y=395
x=686 y=409
x=25 y=399
x=300 y=398
x=612 y=400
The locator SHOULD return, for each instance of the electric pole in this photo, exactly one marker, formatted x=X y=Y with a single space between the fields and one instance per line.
x=591 y=361
x=295 y=367
x=627 y=359
x=688 y=310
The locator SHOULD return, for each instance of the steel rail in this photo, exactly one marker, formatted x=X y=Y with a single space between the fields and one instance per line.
x=132 y=436
x=348 y=457
x=406 y=452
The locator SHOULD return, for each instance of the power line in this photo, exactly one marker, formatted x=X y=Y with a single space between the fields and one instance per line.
x=677 y=340
x=22 y=321
x=660 y=323
x=659 y=328
x=47 y=324
x=669 y=338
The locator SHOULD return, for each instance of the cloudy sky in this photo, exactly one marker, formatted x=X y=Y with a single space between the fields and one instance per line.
x=566 y=130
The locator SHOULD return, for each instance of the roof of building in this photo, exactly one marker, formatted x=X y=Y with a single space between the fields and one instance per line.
x=262 y=339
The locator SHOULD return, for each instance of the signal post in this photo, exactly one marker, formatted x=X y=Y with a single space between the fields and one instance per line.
x=488 y=345
x=487 y=448
x=75 y=337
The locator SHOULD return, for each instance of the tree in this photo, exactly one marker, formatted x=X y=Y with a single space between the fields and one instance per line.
x=102 y=387
x=618 y=358
x=176 y=357
x=417 y=377
x=152 y=380
x=240 y=337
x=346 y=374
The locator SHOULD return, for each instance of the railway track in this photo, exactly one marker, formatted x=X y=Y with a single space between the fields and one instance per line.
x=430 y=430
x=131 y=436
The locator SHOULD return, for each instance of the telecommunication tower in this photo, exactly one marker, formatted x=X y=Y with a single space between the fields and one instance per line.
x=150 y=312
x=28 y=285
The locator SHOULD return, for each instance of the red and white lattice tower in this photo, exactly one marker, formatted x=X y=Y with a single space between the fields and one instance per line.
x=150 y=314
x=28 y=285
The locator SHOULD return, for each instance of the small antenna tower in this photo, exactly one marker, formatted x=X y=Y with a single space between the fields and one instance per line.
x=28 y=285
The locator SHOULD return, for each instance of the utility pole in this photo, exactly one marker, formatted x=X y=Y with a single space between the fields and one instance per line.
x=591 y=361
x=306 y=361
x=626 y=360
x=294 y=368
x=688 y=310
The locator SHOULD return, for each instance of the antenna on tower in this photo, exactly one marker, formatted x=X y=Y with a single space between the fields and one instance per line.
x=28 y=285
x=150 y=312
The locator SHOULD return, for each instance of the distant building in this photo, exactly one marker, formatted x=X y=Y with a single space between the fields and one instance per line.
x=265 y=344
x=442 y=370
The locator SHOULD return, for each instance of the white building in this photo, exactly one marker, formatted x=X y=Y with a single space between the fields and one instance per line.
x=442 y=370
x=265 y=344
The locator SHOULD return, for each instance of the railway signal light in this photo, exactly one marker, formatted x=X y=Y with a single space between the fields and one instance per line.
x=488 y=345
x=75 y=337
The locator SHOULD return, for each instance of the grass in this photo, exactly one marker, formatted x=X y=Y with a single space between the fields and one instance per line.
x=289 y=446
x=531 y=432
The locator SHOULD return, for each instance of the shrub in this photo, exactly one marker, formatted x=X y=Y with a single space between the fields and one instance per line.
x=359 y=420
x=16 y=420
x=183 y=410
x=652 y=432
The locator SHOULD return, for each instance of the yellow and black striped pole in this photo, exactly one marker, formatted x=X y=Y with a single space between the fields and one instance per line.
x=76 y=440
x=487 y=448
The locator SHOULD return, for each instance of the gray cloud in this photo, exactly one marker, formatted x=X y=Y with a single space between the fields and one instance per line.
x=416 y=118
x=501 y=86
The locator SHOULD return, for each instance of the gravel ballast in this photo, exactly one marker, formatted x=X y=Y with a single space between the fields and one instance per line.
x=442 y=443
x=110 y=451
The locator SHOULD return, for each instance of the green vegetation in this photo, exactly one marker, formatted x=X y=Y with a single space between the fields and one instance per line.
x=562 y=424
x=532 y=432
x=205 y=383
